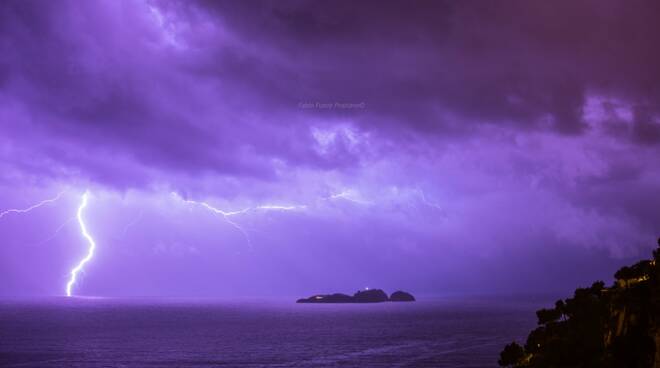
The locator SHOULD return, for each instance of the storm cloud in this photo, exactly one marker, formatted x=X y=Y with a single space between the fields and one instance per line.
x=443 y=134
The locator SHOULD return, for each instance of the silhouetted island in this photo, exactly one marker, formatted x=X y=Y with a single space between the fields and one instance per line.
x=401 y=296
x=362 y=296
x=609 y=327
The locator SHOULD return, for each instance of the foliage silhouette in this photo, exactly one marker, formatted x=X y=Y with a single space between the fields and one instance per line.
x=615 y=327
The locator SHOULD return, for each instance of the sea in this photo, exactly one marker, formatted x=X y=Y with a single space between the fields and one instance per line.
x=450 y=331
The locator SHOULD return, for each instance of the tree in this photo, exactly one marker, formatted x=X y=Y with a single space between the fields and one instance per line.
x=546 y=316
x=511 y=355
x=598 y=327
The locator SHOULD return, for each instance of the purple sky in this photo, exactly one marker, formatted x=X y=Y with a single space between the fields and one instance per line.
x=467 y=147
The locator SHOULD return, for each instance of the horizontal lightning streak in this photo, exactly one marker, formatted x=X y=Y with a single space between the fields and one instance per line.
x=281 y=208
x=348 y=195
x=227 y=214
x=35 y=206
x=224 y=214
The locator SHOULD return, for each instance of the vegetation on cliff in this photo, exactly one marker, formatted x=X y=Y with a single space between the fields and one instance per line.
x=599 y=326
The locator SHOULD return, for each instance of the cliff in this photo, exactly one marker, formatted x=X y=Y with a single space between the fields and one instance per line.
x=599 y=326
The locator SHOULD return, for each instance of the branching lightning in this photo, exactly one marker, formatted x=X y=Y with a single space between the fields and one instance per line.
x=35 y=206
x=90 y=240
x=132 y=223
x=270 y=207
x=24 y=210
x=57 y=231
x=225 y=214
x=350 y=196
x=346 y=195
x=427 y=202
x=436 y=207
x=228 y=214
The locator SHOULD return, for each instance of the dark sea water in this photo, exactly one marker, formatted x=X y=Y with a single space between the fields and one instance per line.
x=99 y=332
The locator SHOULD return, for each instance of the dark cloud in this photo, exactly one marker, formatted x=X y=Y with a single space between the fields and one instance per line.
x=453 y=131
x=233 y=76
x=520 y=63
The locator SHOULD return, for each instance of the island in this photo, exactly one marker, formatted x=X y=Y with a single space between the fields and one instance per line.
x=401 y=296
x=362 y=296
x=611 y=327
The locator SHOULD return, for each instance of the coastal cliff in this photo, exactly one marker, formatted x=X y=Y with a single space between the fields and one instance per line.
x=609 y=327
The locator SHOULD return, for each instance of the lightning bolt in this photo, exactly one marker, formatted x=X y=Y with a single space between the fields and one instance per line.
x=439 y=209
x=226 y=215
x=24 y=210
x=132 y=223
x=349 y=195
x=427 y=202
x=346 y=194
x=57 y=231
x=90 y=240
x=270 y=207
